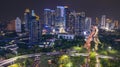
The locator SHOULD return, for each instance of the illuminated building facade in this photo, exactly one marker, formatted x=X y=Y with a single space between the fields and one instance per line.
x=27 y=16
x=80 y=23
x=49 y=21
x=49 y=17
x=60 y=17
x=67 y=13
x=18 y=24
x=33 y=27
x=76 y=23
x=52 y=18
x=71 y=22
x=103 y=21
x=88 y=22
x=108 y=24
x=57 y=18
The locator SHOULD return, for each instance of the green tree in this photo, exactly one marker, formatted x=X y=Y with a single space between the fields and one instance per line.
x=64 y=61
x=92 y=59
x=78 y=60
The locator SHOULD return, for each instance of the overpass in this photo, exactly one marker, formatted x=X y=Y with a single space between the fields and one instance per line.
x=8 y=61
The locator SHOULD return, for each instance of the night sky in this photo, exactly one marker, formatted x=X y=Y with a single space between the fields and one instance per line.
x=10 y=9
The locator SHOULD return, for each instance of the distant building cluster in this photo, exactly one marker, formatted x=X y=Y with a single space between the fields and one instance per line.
x=64 y=20
x=109 y=24
x=61 y=20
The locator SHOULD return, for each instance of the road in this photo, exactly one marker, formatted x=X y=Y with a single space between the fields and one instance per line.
x=7 y=61
x=86 y=54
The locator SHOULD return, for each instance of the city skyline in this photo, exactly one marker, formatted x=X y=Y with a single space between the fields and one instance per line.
x=11 y=9
x=59 y=33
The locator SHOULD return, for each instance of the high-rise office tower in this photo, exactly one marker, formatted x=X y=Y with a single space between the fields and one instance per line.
x=52 y=17
x=47 y=17
x=71 y=22
x=18 y=24
x=88 y=21
x=27 y=16
x=81 y=24
x=76 y=23
x=107 y=27
x=67 y=13
x=35 y=31
x=33 y=27
x=107 y=24
x=60 y=17
x=103 y=21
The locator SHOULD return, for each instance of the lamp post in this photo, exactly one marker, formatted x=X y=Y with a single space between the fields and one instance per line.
x=109 y=48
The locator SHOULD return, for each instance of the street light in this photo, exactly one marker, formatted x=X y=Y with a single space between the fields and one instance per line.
x=109 y=48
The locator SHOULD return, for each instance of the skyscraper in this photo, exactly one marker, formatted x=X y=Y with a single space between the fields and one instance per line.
x=67 y=13
x=107 y=24
x=18 y=24
x=52 y=18
x=47 y=17
x=60 y=17
x=27 y=16
x=34 y=32
x=88 y=22
x=71 y=22
x=103 y=21
x=76 y=23
x=33 y=27
x=81 y=23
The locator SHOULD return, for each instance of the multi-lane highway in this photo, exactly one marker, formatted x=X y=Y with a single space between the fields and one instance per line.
x=8 y=61
x=86 y=54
